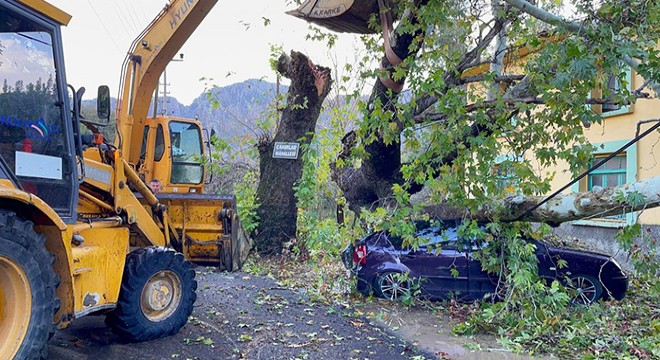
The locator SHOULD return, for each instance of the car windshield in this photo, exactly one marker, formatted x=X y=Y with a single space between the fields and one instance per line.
x=434 y=237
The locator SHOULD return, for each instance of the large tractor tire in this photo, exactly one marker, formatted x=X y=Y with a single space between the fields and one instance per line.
x=27 y=290
x=157 y=295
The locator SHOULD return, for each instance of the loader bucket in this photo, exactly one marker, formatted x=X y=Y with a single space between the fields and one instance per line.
x=350 y=16
x=209 y=229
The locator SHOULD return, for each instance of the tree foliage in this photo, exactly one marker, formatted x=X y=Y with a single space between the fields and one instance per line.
x=493 y=88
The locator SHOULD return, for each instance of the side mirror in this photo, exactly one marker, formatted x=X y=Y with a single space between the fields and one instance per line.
x=103 y=103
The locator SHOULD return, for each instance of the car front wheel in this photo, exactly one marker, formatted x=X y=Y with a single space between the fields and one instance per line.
x=392 y=286
x=584 y=289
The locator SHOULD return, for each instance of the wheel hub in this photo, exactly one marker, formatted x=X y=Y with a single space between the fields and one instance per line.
x=584 y=290
x=161 y=295
x=15 y=307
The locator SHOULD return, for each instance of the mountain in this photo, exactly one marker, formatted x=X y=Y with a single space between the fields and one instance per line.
x=232 y=110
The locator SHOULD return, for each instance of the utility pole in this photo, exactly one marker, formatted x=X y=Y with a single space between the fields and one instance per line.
x=165 y=92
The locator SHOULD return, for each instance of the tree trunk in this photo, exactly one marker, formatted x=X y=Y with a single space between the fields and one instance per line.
x=370 y=185
x=277 y=210
x=599 y=202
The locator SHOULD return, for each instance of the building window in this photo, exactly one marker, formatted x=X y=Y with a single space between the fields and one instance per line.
x=610 y=174
x=614 y=84
x=620 y=170
x=504 y=171
x=506 y=179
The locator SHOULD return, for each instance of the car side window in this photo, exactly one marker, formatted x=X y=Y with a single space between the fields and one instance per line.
x=433 y=237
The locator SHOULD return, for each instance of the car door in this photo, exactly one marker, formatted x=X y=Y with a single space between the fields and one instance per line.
x=442 y=267
x=480 y=282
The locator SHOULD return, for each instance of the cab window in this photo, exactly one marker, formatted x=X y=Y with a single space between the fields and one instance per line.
x=186 y=151
x=33 y=136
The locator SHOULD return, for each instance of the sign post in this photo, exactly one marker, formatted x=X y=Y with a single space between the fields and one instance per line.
x=285 y=150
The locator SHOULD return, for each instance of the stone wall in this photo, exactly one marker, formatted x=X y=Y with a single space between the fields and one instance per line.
x=602 y=239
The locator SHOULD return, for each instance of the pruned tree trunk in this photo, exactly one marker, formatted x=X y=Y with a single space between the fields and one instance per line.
x=277 y=213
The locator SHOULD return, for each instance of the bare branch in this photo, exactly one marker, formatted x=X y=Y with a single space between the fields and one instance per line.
x=451 y=77
x=497 y=78
x=511 y=102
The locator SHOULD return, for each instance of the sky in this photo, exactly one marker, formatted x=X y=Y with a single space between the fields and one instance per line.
x=231 y=45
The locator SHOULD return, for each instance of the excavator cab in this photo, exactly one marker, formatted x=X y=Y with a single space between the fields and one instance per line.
x=36 y=143
x=339 y=15
x=173 y=152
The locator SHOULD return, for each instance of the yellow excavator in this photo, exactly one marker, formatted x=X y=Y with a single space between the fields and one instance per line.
x=80 y=231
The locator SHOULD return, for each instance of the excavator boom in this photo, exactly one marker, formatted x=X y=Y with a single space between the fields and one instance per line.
x=150 y=53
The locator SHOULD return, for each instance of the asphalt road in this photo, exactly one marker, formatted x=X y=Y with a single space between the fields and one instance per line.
x=241 y=316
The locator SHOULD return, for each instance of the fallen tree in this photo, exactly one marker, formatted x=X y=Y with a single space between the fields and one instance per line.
x=497 y=102
x=599 y=202
x=467 y=105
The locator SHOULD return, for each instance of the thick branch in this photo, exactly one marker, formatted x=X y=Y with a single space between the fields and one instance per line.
x=497 y=79
x=374 y=179
x=511 y=102
x=599 y=202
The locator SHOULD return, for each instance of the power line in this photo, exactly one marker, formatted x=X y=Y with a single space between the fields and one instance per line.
x=126 y=26
x=136 y=15
x=131 y=15
x=104 y=27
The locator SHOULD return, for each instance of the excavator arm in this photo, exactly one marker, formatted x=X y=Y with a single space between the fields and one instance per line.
x=150 y=53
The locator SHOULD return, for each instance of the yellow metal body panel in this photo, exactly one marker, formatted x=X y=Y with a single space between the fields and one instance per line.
x=98 y=174
x=41 y=208
x=137 y=215
x=198 y=222
x=106 y=193
x=49 y=10
x=98 y=265
x=58 y=241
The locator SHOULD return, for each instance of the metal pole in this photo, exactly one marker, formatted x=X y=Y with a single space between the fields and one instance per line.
x=165 y=91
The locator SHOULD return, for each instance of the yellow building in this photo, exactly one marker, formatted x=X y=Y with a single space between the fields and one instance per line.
x=620 y=125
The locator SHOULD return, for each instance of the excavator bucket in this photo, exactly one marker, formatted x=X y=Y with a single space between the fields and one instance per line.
x=350 y=16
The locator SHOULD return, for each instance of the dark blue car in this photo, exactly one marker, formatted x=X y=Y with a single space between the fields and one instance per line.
x=447 y=270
